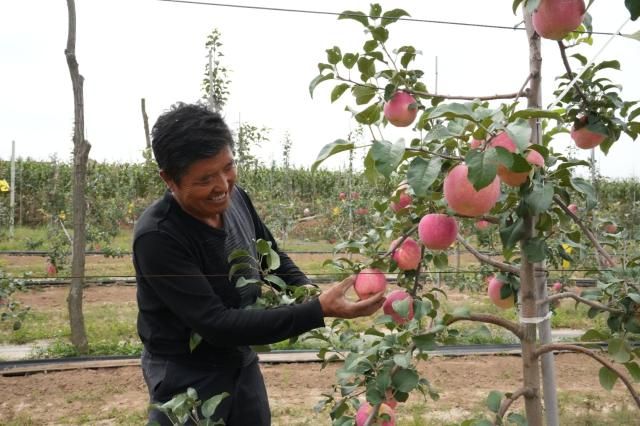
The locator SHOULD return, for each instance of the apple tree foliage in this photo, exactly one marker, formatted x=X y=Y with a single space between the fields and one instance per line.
x=381 y=360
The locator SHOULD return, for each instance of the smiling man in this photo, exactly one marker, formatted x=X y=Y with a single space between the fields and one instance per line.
x=180 y=250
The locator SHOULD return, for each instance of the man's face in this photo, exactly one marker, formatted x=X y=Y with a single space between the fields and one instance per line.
x=205 y=189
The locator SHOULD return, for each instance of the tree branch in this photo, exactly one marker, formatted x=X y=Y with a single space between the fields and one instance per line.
x=440 y=95
x=602 y=360
x=577 y=298
x=609 y=260
x=510 y=400
x=443 y=156
x=490 y=319
x=505 y=267
x=416 y=281
x=567 y=66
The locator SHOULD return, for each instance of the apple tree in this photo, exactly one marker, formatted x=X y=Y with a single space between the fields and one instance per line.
x=468 y=160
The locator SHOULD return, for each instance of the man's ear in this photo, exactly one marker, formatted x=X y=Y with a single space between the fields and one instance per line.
x=167 y=180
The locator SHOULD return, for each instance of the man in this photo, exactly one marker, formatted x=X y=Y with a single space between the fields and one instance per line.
x=180 y=250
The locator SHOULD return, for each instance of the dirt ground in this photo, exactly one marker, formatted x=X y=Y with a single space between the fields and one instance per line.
x=118 y=395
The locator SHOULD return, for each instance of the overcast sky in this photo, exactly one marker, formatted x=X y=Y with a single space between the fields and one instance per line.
x=129 y=49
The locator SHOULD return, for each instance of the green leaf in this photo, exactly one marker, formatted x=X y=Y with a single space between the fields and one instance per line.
x=356 y=16
x=402 y=307
x=607 y=64
x=242 y=281
x=349 y=60
x=276 y=281
x=363 y=93
x=194 y=340
x=263 y=247
x=517 y=419
x=405 y=380
x=237 y=267
x=520 y=133
x=515 y=5
x=387 y=156
x=369 y=46
x=425 y=342
x=634 y=36
x=334 y=55
x=482 y=167
x=634 y=370
x=532 y=5
x=584 y=187
x=328 y=150
x=441 y=260
x=369 y=115
x=375 y=11
x=535 y=249
x=619 y=350
x=338 y=91
x=453 y=110
x=210 y=405
x=421 y=174
x=380 y=34
x=540 y=198
x=510 y=235
x=317 y=80
x=391 y=16
x=401 y=360
x=536 y=113
x=607 y=378
x=237 y=253
x=593 y=335
x=493 y=401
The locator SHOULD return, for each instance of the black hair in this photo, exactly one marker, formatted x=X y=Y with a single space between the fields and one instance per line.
x=185 y=134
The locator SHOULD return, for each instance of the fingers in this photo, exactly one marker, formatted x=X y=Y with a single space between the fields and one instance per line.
x=370 y=304
x=347 y=283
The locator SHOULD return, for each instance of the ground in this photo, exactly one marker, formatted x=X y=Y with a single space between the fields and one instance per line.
x=118 y=396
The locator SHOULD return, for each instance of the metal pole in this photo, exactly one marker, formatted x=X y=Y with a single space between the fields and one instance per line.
x=12 y=196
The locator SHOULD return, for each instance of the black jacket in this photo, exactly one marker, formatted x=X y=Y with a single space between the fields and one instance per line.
x=183 y=287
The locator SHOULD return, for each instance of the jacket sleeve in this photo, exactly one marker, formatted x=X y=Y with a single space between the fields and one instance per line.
x=288 y=270
x=174 y=277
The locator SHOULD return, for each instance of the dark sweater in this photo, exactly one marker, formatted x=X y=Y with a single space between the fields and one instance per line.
x=183 y=286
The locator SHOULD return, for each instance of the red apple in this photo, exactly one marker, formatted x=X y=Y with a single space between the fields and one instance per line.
x=481 y=225
x=365 y=409
x=573 y=208
x=462 y=197
x=557 y=286
x=397 y=110
x=361 y=211
x=369 y=281
x=437 y=231
x=555 y=19
x=390 y=400
x=611 y=228
x=494 y=294
x=342 y=196
x=475 y=143
x=388 y=308
x=52 y=271
x=585 y=138
x=404 y=200
x=507 y=176
x=408 y=255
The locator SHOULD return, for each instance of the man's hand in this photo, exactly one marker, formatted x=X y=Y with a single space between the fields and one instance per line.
x=335 y=304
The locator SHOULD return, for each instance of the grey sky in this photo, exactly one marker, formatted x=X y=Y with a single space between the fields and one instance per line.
x=128 y=49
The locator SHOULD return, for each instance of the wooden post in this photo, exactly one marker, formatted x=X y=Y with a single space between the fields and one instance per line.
x=528 y=294
x=145 y=122
x=12 y=193
x=80 y=157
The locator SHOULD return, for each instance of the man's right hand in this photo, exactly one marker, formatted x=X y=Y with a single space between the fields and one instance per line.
x=334 y=302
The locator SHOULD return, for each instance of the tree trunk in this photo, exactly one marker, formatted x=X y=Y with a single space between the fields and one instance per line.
x=145 y=122
x=80 y=156
x=529 y=309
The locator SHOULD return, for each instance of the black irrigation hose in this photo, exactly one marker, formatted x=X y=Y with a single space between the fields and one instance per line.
x=7 y=367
